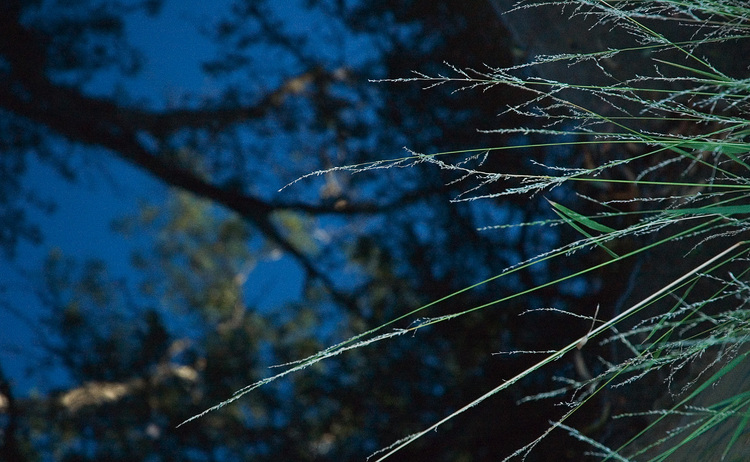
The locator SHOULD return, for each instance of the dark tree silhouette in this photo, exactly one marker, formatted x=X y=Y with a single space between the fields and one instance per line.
x=394 y=239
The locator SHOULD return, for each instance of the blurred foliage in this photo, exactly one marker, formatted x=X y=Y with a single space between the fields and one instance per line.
x=292 y=98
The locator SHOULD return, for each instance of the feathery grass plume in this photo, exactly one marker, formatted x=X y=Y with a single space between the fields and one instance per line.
x=679 y=186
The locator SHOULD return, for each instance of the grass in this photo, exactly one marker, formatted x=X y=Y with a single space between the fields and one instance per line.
x=686 y=122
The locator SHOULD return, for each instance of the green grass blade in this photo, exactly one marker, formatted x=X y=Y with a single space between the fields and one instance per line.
x=574 y=218
x=726 y=210
x=585 y=221
x=738 y=431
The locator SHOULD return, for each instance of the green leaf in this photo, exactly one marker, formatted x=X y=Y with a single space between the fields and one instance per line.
x=727 y=148
x=738 y=431
x=716 y=210
x=572 y=218
x=585 y=221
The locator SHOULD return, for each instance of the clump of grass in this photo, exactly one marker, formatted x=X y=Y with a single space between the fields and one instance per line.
x=684 y=122
x=693 y=187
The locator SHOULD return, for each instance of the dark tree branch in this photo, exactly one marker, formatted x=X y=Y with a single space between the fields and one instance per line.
x=9 y=447
x=95 y=128
x=27 y=92
x=163 y=124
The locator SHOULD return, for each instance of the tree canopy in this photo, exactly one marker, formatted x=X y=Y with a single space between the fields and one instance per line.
x=251 y=169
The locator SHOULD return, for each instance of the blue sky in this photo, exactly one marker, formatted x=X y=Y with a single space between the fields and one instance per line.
x=81 y=223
